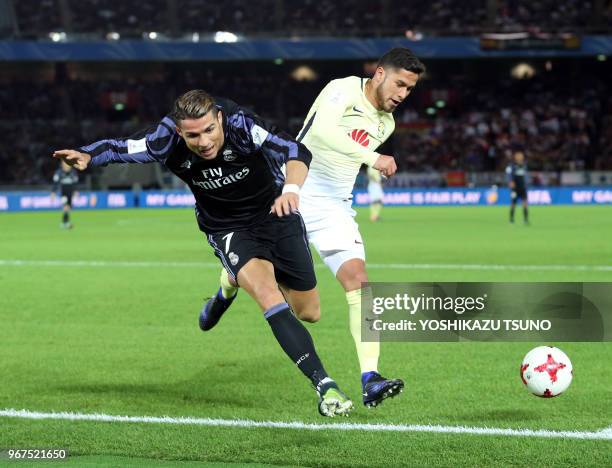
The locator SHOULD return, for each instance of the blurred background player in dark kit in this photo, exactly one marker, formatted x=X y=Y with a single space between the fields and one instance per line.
x=517 y=182
x=66 y=178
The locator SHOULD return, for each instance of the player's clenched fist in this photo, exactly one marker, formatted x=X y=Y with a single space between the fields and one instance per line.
x=386 y=165
x=73 y=158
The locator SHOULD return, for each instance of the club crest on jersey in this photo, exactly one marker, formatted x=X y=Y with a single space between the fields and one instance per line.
x=228 y=155
x=233 y=258
x=381 y=129
x=360 y=136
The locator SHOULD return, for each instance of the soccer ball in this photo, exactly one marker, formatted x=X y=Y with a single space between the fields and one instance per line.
x=546 y=371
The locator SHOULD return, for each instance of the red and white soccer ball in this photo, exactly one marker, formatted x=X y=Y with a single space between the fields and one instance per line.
x=546 y=371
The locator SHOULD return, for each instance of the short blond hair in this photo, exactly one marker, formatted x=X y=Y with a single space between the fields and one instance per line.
x=193 y=105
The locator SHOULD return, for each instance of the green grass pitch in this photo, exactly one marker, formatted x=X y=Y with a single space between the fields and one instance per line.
x=120 y=337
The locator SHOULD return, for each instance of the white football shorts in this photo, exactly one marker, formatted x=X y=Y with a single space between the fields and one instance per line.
x=332 y=230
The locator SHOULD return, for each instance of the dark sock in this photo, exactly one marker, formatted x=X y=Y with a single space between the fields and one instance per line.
x=297 y=344
x=65 y=217
x=512 y=213
x=525 y=214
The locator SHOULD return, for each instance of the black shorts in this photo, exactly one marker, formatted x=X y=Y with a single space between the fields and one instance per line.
x=517 y=193
x=282 y=241
x=67 y=196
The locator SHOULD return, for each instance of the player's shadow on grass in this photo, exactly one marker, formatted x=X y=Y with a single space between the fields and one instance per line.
x=212 y=384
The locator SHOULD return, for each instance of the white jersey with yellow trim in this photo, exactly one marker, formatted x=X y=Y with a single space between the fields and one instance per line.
x=342 y=131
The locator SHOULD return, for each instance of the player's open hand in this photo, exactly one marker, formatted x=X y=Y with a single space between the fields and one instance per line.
x=73 y=158
x=286 y=204
x=386 y=165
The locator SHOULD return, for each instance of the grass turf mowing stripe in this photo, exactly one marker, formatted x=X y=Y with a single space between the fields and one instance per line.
x=396 y=266
x=604 y=434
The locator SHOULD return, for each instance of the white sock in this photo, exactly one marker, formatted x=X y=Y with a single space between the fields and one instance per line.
x=367 y=352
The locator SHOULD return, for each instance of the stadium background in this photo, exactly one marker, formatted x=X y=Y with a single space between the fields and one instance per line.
x=74 y=72
x=502 y=74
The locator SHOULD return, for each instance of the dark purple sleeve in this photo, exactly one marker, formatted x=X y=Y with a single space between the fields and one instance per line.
x=152 y=145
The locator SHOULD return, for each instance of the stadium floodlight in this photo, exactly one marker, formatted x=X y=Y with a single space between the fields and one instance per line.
x=152 y=35
x=113 y=36
x=304 y=73
x=601 y=58
x=413 y=35
x=522 y=71
x=57 y=36
x=195 y=37
x=225 y=36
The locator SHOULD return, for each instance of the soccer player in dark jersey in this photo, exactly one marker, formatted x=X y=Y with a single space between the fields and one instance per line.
x=517 y=181
x=66 y=178
x=232 y=162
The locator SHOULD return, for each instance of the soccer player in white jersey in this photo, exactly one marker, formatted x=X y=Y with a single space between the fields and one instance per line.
x=348 y=121
x=375 y=193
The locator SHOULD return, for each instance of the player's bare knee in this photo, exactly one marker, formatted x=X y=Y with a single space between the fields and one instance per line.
x=268 y=296
x=265 y=291
x=352 y=274
x=309 y=312
x=354 y=279
x=361 y=277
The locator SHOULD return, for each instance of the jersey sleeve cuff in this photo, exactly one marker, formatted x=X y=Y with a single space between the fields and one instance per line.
x=370 y=159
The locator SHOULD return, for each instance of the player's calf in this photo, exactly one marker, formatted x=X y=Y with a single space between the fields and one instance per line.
x=305 y=304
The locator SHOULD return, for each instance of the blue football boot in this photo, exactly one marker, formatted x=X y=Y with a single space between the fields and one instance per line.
x=376 y=388
x=214 y=309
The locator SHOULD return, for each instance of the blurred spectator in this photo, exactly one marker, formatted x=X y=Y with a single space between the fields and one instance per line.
x=127 y=17
x=180 y=18
x=568 y=15
x=238 y=16
x=557 y=130
x=36 y=18
x=560 y=127
x=440 y=17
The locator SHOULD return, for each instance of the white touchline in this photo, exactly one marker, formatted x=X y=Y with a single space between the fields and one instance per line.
x=107 y=263
x=393 y=266
x=604 y=434
x=484 y=266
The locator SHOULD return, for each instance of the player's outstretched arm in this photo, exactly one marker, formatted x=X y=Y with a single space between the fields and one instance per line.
x=154 y=144
x=73 y=158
